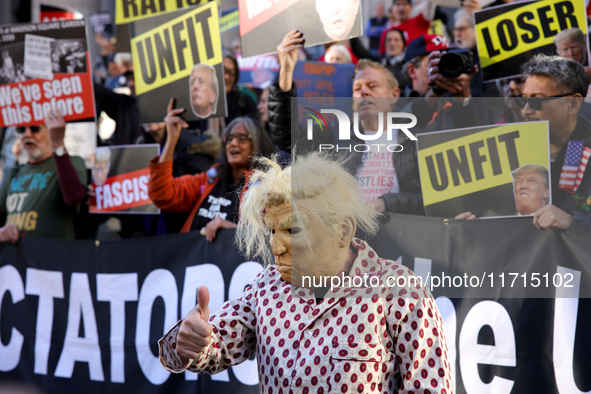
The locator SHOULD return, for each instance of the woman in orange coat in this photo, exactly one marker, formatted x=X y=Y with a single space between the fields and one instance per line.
x=212 y=197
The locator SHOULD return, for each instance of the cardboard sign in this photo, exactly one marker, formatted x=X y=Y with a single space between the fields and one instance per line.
x=179 y=55
x=120 y=176
x=263 y=24
x=80 y=140
x=45 y=66
x=483 y=170
x=509 y=35
x=323 y=82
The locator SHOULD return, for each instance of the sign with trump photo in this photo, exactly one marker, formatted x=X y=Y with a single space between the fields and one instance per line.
x=491 y=171
x=179 y=54
x=509 y=35
x=120 y=176
x=263 y=24
x=44 y=67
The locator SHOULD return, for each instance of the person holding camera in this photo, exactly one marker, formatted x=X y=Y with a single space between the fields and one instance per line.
x=438 y=71
x=465 y=38
x=416 y=63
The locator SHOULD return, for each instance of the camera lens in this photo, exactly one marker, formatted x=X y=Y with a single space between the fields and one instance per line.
x=451 y=65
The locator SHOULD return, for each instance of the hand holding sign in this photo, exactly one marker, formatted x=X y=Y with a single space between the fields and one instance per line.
x=195 y=332
x=287 y=52
x=551 y=217
x=56 y=125
x=174 y=125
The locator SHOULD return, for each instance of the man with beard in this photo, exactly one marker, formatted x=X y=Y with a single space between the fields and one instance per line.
x=310 y=336
x=39 y=199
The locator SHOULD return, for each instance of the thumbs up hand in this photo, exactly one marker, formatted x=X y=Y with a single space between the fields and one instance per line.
x=195 y=332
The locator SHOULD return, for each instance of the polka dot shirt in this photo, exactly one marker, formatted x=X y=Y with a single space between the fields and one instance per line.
x=365 y=340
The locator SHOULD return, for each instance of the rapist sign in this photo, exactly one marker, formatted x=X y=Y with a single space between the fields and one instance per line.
x=132 y=10
x=264 y=23
x=489 y=170
x=120 y=176
x=509 y=35
x=44 y=66
x=179 y=55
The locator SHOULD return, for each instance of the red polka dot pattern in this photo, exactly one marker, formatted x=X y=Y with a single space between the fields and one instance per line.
x=362 y=343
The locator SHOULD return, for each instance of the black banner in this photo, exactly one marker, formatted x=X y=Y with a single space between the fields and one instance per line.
x=85 y=317
x=79 y=316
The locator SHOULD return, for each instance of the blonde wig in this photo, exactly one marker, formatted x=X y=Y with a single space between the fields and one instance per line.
x=333 y=191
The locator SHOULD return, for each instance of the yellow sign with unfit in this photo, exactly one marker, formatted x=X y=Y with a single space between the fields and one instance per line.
x=167 y=53
x=132 y=10
x=480 y=160
x=503 y=35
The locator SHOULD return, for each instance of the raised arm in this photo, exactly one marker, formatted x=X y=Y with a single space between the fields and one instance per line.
x=213 y=344
x=72 y=182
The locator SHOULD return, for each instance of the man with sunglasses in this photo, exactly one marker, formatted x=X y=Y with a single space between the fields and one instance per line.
x=39 y=199
x=553 y=91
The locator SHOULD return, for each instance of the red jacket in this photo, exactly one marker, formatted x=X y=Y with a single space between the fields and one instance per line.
x=183 y=194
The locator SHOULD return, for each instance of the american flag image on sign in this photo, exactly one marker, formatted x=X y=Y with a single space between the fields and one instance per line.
x=568 y=175
x=582 y=166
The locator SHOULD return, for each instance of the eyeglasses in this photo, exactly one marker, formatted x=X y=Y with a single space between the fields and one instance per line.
x=242 y=138
x=535 y=103
x=34 y=129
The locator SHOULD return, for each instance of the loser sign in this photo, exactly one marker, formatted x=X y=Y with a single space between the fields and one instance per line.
x=509 y=35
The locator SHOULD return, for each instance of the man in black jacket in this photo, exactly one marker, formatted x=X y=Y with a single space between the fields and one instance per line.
x=553 y=91
x=375 y=90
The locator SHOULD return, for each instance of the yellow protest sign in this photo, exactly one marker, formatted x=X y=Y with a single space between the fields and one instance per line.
x=167 y=53
x=475 y=160
x=509 y=35
x=131 y=10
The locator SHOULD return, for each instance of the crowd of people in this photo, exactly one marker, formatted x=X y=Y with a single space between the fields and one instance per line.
x=207 y=163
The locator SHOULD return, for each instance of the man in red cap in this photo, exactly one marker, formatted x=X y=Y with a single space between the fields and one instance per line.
x=417 y=64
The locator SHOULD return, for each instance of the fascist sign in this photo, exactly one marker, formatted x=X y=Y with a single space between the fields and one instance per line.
x=120 y=176
x=45 y=66
x=264 y=23
x=179 y=55
x=488 y=170
x=508 y=35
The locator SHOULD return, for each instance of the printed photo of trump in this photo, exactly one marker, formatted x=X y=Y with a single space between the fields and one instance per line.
x=204 y=90
x=530 y=188
x=337 y=17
